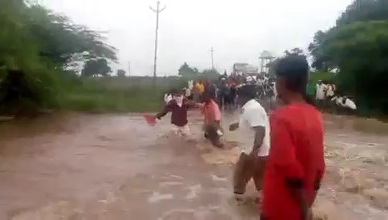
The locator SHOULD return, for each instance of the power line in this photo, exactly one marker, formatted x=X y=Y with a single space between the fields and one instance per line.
x=157 y=11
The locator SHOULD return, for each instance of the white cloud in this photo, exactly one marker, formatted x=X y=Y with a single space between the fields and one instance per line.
x=237 y=29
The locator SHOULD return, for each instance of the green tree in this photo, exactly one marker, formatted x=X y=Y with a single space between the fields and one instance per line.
x=121 y=73
x=211 y=74
x=63 y=42
x=364 y=10
x=360 y=50
x=294 y=51
x=96 y=67
x=186 y=71
x=320 y=60
x=358 y=47
x=42 y=47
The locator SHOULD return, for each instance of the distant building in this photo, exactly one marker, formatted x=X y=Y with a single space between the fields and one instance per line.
x=239 y=67
x=245 y=68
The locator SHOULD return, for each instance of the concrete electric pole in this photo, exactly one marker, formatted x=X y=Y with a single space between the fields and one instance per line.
x=129 y=68
x=212 y=56
x=157 y=11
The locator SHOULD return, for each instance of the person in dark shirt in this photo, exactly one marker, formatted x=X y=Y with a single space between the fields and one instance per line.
x=178 y=107
x=221 y=93
x=295 y=165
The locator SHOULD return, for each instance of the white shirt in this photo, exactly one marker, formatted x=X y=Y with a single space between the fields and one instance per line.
x=260 y=82
x=254 y=115
x=350 y=104
x=187 y=92
x=167 y=98
x=190 y=84
x=338 y=101
x=320 y=91
x=330 y=91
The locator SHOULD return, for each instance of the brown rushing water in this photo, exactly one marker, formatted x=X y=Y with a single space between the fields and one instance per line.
x=85 y=166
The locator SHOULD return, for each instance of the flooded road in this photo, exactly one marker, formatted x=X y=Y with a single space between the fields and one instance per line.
x=85 y=166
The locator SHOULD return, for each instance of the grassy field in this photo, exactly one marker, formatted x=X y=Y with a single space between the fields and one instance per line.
x=115 y=94
x=315 y=76
x=129 y=94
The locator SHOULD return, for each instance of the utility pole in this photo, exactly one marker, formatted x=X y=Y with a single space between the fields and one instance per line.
x=129 y=68
x=212 y=56
x=157 y=11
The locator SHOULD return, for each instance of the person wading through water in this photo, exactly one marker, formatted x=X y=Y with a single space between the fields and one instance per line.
x=178 y=107
x=253 y=121
x=295 y=165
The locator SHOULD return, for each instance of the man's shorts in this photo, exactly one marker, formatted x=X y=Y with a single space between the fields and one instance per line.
x=184 y=130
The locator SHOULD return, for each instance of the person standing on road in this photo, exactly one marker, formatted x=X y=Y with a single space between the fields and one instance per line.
x=211 y=88
x=201 y=87
x=295 y=165
x=190 y=84
x=320 y=93
x=187 y=93
x=254 y=121
x=221 y=87
x=330 y=91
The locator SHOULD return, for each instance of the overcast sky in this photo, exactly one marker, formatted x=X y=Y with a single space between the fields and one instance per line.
x=237 y=29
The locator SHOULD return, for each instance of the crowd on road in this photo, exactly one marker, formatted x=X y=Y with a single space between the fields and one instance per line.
x=286 y=158
x=224 y=90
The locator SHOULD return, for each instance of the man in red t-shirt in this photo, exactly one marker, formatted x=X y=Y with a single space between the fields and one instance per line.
x=296 y=163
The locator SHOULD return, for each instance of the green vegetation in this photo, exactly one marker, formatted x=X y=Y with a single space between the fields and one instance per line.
x=318 y=75
x=127 y=94
x=358 y=46
x=96 y=67
x=41 y=53
x=188 y=72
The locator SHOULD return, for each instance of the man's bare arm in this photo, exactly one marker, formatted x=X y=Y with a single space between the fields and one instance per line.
x=191 y=104
x=259 y=137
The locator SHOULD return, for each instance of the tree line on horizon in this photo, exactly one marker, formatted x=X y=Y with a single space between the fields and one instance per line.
x=42 y=51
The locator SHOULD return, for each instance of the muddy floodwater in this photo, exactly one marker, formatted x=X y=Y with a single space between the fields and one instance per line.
x=88 y=166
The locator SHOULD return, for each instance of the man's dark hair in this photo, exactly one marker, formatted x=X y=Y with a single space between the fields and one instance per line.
x=247 y=91
x=295 y=70
x=207 y=96
x=175 y=91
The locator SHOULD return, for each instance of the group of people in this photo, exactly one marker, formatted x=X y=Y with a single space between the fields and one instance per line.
x=179 y=106
x=286 y=157
x=324 y=92
x=326 y=97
